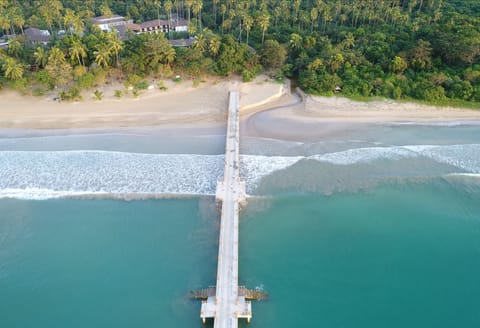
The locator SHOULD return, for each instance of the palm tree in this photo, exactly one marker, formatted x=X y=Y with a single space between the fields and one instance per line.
x=168 y=5
x=41 y=57
x=17 y=18
x=169 y=55
x=248 y=22
x=4 y=21
x=56 y=57
x=296 y=42
x=264 y=22
x=14 y=48
x=313 y=17
x=78 y=51
x=115 y=45
x=214 y=46
x=349 y=41
x=188 y=4
x=156 y=50
x=73 y=22
x=50 y=11
x=200 y=43
x=102 y=54
x=315 y=65
x=197 y=11
x=13 y=70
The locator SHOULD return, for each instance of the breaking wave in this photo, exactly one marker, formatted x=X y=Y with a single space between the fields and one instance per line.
x=43 y=175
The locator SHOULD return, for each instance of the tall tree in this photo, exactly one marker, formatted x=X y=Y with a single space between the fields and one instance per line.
x=115 y=45
x=41 y=57
x=264 y=22
x=13 y=70
x=78 y=52
x=102 y=54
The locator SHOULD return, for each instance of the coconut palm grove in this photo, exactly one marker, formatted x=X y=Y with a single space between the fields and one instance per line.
x=402 y=49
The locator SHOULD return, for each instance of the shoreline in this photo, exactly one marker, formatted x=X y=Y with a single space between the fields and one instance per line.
x=268 y=109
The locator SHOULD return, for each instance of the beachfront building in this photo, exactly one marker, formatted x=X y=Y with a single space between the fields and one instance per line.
x=37 y=36
x=163 y=26
x=124 y=31
x=107 y=24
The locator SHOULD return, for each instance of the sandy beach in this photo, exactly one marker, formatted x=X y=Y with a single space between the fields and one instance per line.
x=268 y=109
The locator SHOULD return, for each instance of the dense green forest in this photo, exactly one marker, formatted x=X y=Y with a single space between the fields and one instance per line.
x=403 y=49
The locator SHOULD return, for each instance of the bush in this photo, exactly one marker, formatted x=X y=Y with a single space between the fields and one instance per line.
x=100 y=76
x=86 y=81
x=142 y=85
x=43 y=78
x=98 y=94
x=79 y=71
x=247 y=75
x=161 y=86
x=71 y=94
x=165 y=71
x=118 y=93
x=19 y=84
x=39 y=91
x=132 y=80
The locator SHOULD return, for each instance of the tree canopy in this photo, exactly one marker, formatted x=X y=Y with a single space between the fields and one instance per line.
x=421 y=49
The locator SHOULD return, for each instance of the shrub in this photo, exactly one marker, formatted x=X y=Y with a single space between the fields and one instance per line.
x=247 y=75
x=43 y=78
x=71 y=94
x=98 y=94
x=118 y=93
x=39 y=91
x=86 y=81
x=132 y=80
x=19 y=84
x=100 y=76
x=79 y=71
x=142 y=85
x=161 y=86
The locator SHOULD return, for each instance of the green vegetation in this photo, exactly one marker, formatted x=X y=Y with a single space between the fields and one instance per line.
x=98 y=94
x=403 y=49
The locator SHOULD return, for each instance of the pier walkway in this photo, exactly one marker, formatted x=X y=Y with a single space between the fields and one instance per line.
x=227 y=305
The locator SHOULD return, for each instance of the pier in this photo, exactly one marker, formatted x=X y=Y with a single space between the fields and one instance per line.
x=227 y=302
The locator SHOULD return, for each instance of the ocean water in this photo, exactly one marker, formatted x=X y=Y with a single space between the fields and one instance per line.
x=377 y=226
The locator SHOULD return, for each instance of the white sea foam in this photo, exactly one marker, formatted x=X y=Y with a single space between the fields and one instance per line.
x=98 y=172
x=41 y=175
x=254 y=168
x=364 y=155
x=466 y=157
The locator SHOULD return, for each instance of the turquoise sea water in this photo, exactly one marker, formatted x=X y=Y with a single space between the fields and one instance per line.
x=377 y=228
x=104 y=263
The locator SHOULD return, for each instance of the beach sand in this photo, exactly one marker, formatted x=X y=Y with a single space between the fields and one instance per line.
x=303 y=117
x=268 y=109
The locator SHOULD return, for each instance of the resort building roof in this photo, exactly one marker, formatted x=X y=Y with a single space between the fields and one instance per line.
x=108 y=20
x=37 y=36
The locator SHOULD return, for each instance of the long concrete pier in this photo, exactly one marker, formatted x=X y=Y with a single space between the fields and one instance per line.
x=228 y=305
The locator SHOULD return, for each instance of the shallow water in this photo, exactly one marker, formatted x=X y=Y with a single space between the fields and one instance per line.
x=376 y=227
x=400 y=255
x=104 y=263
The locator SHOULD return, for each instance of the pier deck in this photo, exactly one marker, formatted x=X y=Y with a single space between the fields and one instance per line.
x=227 y=306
